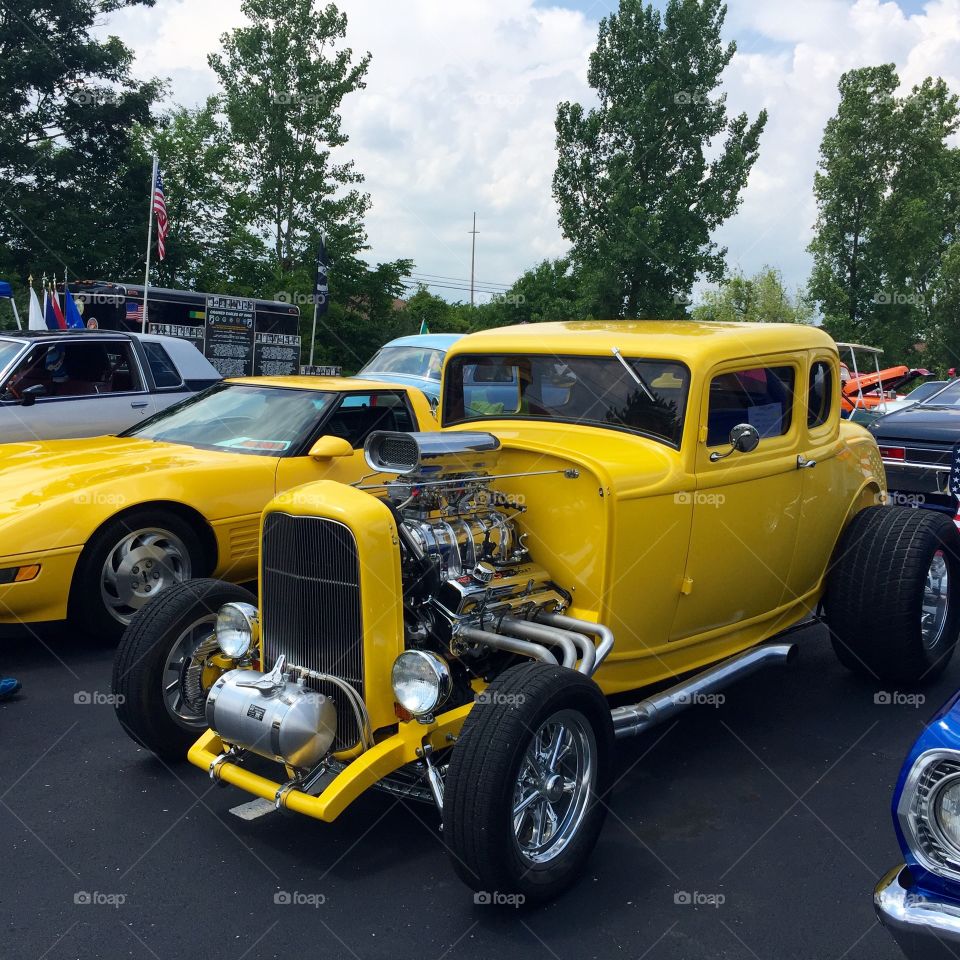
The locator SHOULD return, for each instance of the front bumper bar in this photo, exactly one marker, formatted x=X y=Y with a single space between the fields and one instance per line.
x=925 y=928
x=404 y=747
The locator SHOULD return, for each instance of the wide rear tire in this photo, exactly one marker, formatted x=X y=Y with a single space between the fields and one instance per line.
x=893 y=595
x=157 y=668
x=502 y=761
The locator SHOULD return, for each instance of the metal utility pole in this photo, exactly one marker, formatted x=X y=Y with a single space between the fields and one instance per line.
x=473 y=253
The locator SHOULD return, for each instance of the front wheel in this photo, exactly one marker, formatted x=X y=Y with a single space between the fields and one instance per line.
x=893 y=594
x=126 y=563
x=524 y=799
x=161 y=671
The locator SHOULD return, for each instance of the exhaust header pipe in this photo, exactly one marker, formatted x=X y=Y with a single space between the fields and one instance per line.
x=630 y=720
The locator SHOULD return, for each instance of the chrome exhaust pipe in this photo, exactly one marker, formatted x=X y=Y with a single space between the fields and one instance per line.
x=543 y=634
x=585 y=627
x=509 y=644
x=635 y=718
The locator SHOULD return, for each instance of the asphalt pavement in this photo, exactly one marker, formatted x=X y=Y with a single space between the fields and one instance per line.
x=752 y=829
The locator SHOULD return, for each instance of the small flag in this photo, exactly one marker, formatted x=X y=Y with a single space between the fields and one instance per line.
x=197 y=314
x=36 y=312
x=424 y=329
x=321 y=285
x=160 y=210
x=71 y=313
x=52 y=314
x=135 y=313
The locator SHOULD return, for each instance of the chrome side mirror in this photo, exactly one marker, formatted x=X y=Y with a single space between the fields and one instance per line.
x=744 y=438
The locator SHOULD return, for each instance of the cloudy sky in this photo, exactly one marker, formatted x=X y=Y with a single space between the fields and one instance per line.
x=458 y=112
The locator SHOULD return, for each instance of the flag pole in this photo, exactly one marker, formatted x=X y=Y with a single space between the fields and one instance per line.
x=146 y=275
x=313 y=335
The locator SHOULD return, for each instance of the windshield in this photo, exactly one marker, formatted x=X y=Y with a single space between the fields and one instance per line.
x=949 y=396
x=264 y=421
x=643 y=396
x=8 y=350
x=412 y=361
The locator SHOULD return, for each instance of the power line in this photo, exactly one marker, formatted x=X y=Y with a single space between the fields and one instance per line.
x=439 y=276
x=447 y=286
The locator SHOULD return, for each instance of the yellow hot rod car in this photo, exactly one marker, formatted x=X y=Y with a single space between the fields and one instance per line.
x=606 y=507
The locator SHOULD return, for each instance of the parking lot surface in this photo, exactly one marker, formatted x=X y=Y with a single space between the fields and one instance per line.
x=751 y=827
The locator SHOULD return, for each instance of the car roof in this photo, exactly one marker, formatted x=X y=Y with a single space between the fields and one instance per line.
x=26 y=335
x=686 y=340
x=436 y=341
x=305 y=382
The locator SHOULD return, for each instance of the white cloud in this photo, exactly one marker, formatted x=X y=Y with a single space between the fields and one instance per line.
x=460 y=100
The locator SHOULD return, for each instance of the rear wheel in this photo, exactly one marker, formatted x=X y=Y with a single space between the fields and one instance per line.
x=524 y=799
x=893 y=594
x=160 y=673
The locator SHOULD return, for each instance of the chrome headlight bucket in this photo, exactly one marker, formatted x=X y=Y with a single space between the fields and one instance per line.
x=422 y=682
x=929 y=812
x=237 y=629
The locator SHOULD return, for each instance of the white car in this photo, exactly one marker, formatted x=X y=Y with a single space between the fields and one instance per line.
x=56 y=384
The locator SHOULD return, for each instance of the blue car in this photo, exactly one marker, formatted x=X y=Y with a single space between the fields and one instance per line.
x=416 y=360
x=919 y=901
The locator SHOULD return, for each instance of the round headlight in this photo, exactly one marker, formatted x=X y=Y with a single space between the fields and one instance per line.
x=947 y=812
x=421 y=681
x=238 y=628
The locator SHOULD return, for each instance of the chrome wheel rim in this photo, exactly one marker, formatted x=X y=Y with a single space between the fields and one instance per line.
x=141 y=565
x=182 y=680
x=554 y=786
x=935 y=605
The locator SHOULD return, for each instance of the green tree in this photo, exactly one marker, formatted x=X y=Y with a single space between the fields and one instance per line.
x=638 y=197
x=887 y=189
x=762 y=298
x=284 y=78
x=75 y=175
x=210 y=246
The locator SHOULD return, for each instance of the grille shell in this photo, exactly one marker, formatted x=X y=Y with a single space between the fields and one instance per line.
x=311 y=606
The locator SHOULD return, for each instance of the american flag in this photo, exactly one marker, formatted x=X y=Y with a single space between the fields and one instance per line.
x=135 y=312
x=160 y=209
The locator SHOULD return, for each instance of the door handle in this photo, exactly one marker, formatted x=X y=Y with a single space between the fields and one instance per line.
x=804 y=464
x=138 y=404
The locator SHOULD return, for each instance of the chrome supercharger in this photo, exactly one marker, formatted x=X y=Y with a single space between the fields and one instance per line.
x=273 y=716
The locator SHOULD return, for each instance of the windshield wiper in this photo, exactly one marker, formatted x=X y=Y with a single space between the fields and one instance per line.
x=633 y=373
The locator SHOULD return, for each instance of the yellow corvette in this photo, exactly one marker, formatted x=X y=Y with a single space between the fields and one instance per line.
x=91 y=529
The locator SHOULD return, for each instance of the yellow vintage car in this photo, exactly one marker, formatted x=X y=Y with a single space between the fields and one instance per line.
x=607 y=506
x=90 y=529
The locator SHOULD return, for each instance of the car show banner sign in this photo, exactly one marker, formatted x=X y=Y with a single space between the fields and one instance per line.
x=230 y=324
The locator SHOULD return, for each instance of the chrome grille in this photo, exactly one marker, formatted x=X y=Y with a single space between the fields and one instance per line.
x=311 y=606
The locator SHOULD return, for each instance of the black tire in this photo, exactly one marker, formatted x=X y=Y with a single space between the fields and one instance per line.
x=483 y=776
x=140 y=664
x=875 y=595
x=88 y=608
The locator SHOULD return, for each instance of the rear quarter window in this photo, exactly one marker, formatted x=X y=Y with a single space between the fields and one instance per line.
x=164 y=370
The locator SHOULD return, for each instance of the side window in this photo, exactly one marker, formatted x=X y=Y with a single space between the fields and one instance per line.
x=761 y=396
x=77 y=369
x=820 y=394
x=164 y=370
x=359 y=414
